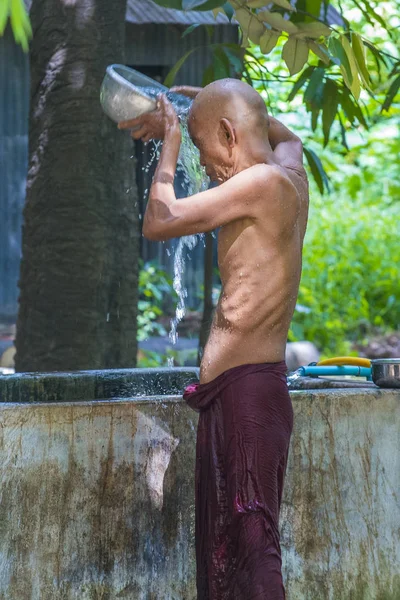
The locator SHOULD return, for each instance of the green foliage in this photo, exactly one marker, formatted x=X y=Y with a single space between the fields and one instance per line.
x=350 y=284
x=351 y=72
x=155 y=287
x=150 y=359
x=16 y=11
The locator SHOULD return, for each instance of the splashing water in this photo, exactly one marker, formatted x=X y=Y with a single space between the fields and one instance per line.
x=195 y=180
x=188 y=242
x=293 y=377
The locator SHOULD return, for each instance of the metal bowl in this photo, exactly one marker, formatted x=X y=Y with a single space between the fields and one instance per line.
x=126 y=94
x=121 y=97
x=386 y=372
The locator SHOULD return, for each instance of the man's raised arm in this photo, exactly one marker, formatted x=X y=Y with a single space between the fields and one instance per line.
x=287 y=147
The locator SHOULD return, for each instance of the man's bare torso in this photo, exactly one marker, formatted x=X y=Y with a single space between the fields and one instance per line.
x=260 y=267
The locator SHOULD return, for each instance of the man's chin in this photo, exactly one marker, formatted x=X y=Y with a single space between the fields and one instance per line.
x=216 y=178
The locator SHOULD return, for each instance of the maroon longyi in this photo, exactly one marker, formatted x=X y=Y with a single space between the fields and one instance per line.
x=243 y=436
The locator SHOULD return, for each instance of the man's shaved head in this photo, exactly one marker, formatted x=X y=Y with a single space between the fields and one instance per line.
x=234 y=100
x=228 y=115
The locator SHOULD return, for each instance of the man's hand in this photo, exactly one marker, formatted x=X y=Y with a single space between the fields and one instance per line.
x=186 y=90
x=154 y=125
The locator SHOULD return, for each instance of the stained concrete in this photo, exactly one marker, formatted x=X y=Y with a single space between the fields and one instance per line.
x=97 y=497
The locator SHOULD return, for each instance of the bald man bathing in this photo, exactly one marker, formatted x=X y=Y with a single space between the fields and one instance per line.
x=246 y=415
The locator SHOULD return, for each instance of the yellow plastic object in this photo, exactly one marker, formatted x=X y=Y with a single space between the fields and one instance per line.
x=346 y=360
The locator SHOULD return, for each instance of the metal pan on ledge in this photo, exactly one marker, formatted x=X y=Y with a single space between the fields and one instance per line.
x=386 y=372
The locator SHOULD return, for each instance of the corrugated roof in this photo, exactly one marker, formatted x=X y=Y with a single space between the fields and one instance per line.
x=146 y=11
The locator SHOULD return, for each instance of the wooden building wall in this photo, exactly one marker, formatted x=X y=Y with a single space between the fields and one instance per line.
x=14 y=106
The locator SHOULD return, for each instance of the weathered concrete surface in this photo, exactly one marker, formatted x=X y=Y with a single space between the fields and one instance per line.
x=97 y=499
x=340 y=521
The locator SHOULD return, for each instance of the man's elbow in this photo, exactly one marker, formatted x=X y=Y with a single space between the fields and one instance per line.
x=151 y=234
x=154 y=234
x=297 y=143
x=296 y=148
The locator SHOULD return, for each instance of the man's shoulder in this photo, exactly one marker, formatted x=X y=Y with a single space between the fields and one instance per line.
x=264 y=173
x=272 y=177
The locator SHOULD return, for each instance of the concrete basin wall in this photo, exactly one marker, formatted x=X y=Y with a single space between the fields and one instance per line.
x=97 y=495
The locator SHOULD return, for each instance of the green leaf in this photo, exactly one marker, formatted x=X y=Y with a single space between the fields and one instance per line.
x=378 y=57
x=251 y=27
x=314 y=118
x=190 y=29
x=319 y=50
x=313 y=93
x=313 y=7
x=394 y=88
x=284 y=4
x=208 y=75
x=222 y=66
x=337 y=50
x=261 y=3
x=295 y=54
x=313 y=30
x=201 y=4
x=375 y=15
x=300 y=82
x=217 y=11
x=4 y=12
x=360 y=116
x=355 y=86
x=169 y=80
x=228 y=10
x=277 y=21
x=343 y=132
x=317 y=169
x=20 y=23
x=351 y=108
x=268 y=40
x=256 y=3
x=329 y=107
x=358 y=49
x=170 y=3
x=234 y=54
x=347 y=105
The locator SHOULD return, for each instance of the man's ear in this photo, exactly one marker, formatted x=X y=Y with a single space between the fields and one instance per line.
x=227 y=132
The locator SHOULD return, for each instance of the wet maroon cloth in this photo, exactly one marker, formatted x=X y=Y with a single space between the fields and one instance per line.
x=243 y=435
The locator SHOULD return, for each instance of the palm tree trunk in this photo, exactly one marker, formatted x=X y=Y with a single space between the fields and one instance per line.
x=78 y=279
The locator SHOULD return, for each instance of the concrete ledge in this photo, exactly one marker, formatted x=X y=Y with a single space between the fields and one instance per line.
x=91 y=385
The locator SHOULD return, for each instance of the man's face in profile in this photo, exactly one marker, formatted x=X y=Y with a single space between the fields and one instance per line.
x=214 y=155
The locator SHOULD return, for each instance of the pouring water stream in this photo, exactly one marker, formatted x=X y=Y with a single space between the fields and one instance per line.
x=195 y=180
x=126 y=93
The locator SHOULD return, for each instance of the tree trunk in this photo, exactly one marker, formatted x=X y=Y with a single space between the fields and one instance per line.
x=78 y=280
x=208 y=302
